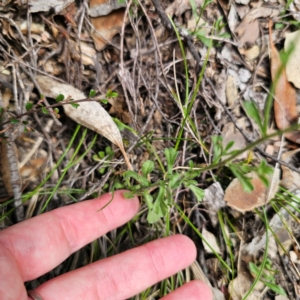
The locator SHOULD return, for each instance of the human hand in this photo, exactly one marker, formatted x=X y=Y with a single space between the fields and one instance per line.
x=34 y=247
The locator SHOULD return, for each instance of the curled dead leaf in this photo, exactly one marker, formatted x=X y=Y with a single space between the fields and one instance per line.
x=284 y=93
x=248 y=29
x=105 y=26
x=89 y=114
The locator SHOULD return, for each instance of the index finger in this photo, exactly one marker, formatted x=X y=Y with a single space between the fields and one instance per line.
x=43 y=242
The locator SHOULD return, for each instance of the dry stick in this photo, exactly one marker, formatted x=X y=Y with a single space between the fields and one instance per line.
x=15 y=178
x=122 y=72
x=246 y=137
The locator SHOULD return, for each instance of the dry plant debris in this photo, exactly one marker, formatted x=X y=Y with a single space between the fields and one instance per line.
x=183 y=138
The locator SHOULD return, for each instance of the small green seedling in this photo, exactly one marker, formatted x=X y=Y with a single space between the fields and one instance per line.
x=105 y=156
x=267 y=277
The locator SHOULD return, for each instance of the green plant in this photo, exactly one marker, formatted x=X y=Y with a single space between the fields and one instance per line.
x=267 y=276
x=105 y=156
x=158 y=195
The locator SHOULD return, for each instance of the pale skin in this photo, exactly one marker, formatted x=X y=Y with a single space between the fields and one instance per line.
x=36 y=246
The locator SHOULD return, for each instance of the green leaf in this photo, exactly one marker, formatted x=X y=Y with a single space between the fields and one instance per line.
x=95 y=157
x=229 y=145
x=147 y=167
x=252 y=111
x=264 y=180
x=171 y=155
x=45 y=110
x=279 y=25
x=225 y=35
x=104 y=101
x=102 y=170
x=160 y=208
x=152 y=217
x=253 y=268
x=275 y=288
x=75 y=105
x=60 y=98
x=111 y=94
x=56 y=110
x=131 y=174
x=148 y=199
x=217 y=147
x=244 y=180
x=175 y=181
x=128 y=195
x=92 y=93
x=199 y=193
x=114 y=95
x=29 y=106
x=14 y=121
x=205 y=40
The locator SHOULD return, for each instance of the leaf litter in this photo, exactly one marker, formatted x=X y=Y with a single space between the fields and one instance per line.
x=74 y=48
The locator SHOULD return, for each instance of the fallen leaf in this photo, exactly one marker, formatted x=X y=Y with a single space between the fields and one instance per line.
x=37 y=28
x=105 y=26
x=251 y=251
x=231 y=91
x=46 y=5
x=290 y=179
x=100 y=8
x=251 y=53
x=248 y=30
x=89 y=114
x=292 y=67
x=240 y=285
x=211 y=240
x=237 y=198
x=220 y=86
x=230 y=133
x=178 y=7
x=213 y=201
x=284 y=93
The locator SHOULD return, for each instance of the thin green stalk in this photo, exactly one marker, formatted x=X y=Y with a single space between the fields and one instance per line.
x=202 y=238
x=85 y=152
x=65 y=170
x=248 y=147
x=265 y=256
x=56 y=166
x=228 y=243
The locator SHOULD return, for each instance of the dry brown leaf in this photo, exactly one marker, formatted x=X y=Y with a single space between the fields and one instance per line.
x=211 y=240
x=290 y=179
x=248 y=29
x=230 y=133
x=100 y=8
x=89 y=114
x=178 y=7
x=46 y=5
x=250 y=54
x=105 y=27
x=292 y=67
x=232 y=95
x=237 y=198
x=285 y=95
x=240 y=285
x=213 y=201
